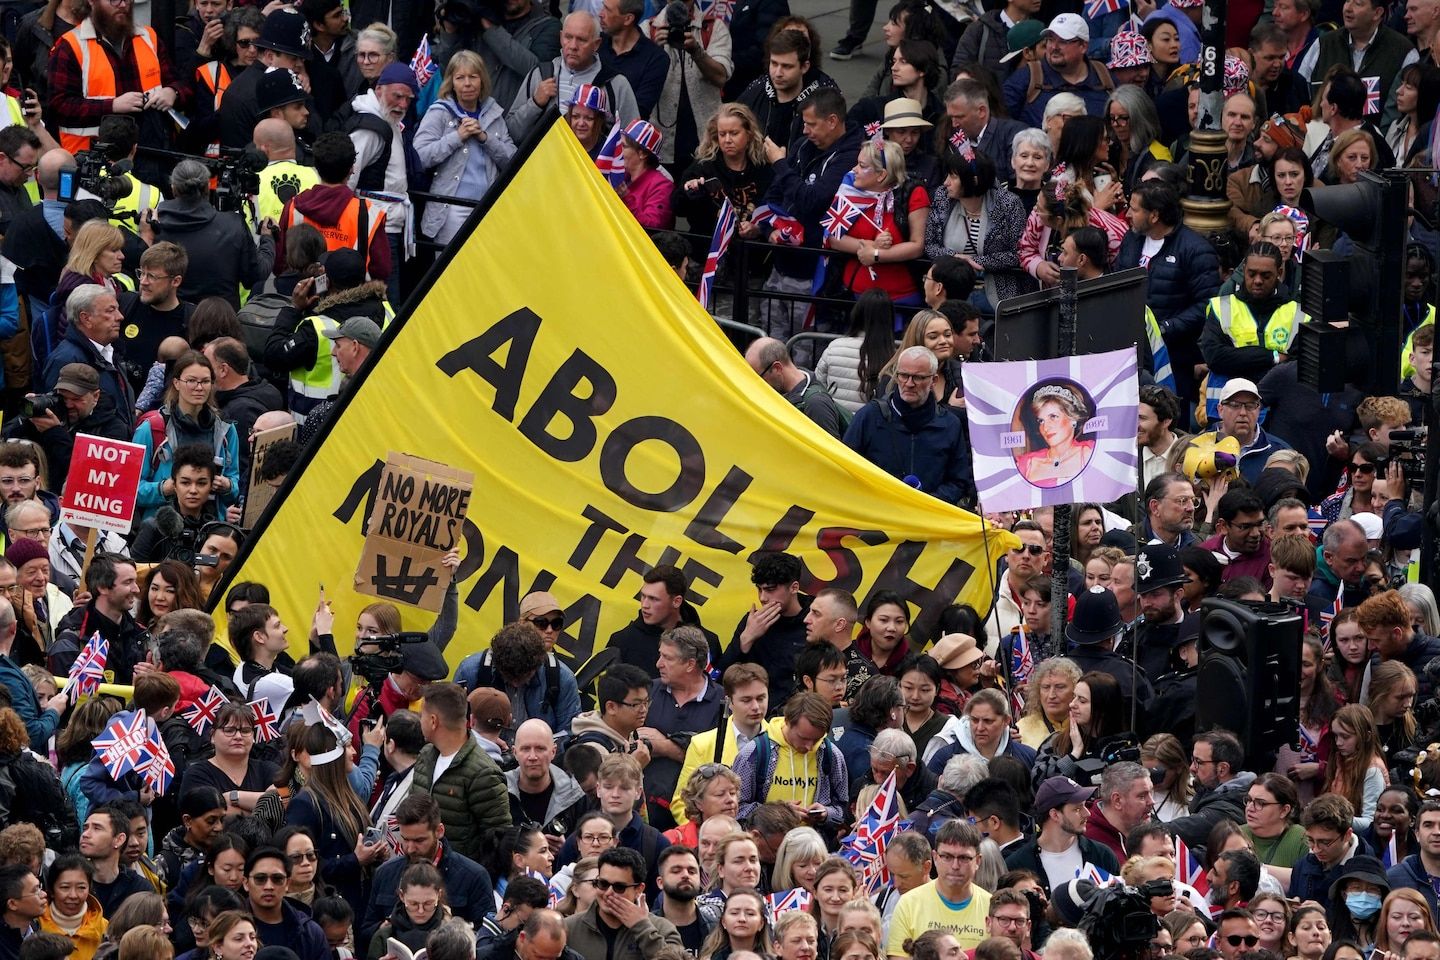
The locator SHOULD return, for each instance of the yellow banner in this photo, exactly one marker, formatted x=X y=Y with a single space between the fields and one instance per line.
x=610 y=427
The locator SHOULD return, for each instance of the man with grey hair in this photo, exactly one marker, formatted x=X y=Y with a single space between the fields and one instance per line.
x=682 y=703
x=894 y=750
x=579 y=62
x=771 y=360
x=41 y=720
x=947 y=800
x=220 y=241
x=910 y=435
x=455 y=940
x=1122 y=804
x=967 y=104
x=94 y=317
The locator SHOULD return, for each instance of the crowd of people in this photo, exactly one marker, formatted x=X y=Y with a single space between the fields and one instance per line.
x=695 y=799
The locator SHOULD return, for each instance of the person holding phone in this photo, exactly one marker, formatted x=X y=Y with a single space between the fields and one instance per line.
x=794 y=761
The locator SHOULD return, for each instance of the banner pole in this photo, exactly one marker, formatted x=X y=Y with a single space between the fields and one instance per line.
x=1060 y=531
x=90 y=538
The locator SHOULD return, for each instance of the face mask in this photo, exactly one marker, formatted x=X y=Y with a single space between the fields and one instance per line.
x=1362 y=906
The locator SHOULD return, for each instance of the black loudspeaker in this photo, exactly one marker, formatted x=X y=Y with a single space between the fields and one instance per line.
x=1249 y=676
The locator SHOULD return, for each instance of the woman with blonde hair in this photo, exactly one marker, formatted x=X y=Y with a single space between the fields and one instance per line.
x=581 y=892
x=1352 y=152
x=463 y=141
x=97 y=255
x=797 y=936
x=333 y=812
x=712 y=789
x=932 y=330
x=888 y=233
x=1047 y=700
x=797 y=860
x=1141 y=870
x=145 y=943
x=741 y=925
x=1356 y=770
x=1272 y=916
x=729 y=165
x=1101 y=565
x=1391 y=699
x=1171 y=797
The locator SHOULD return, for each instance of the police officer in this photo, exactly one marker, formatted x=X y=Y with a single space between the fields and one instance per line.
x=1159 y=579
x=1173 y=709
x=1094 y=629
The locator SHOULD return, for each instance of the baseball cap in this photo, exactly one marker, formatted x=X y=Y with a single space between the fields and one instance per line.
x=78 y=378
x=1069 y=26
x=362 y=330
x=1058 y=791
x=1022 y=37
x=490 y=708
x=538 y=602
x=1237 y=386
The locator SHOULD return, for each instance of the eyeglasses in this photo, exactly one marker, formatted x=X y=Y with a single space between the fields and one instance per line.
x=1235 y=939
x=26 y=167
x=1264 y=916
x=551 y=623
x=954 y=858
x=606 y=885
x=1119 y=118
x=914 y=377
x=34 y=531
x=579 y=880
x=1249 y=406
x=1197 y=762
x=368 y=55
x=420 y=904
x=1034 y=549
x=637 y=704
x=310 y=857
x=195 y=384
x=155 y=277
x=1321 y=843
x=1260 y=804
x=1010 y=921
x=269 y=879
x=16 y=481
x=237 y=731
x=597 y=837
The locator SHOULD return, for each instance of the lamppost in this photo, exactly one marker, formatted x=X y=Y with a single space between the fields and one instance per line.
x=1206 y=207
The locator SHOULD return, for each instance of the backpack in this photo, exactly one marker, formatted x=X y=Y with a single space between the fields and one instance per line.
x=817 y=387
x=485 y=676
x=762 y=763
x=1038 y=84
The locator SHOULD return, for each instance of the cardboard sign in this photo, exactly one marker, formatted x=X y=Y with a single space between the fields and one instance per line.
x=418 y=515
x=100 y=487
x=258 y=495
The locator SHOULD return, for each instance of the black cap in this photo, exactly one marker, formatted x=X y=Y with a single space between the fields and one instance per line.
x=286 y=31
x=1366 y=869
x=345 y=268
x=278 y=88
x=425 y=661
x=1187 y=631
x=1158 y=565
x=1096 y=617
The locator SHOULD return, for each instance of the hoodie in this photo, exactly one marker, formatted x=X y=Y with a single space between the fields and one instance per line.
x=589 y=728
x=639 y=642
x=565 y=806
x=243 y=406
x=792 y=777
x=324 y=205
x=222 y=242
x=956 y=737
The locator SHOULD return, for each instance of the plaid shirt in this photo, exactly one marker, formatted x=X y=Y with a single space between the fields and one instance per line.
x=68 y=102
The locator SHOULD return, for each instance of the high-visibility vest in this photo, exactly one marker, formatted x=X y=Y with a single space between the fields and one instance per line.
x=214 y=77
x=1238 y=324
x=97 y=76
x=142 y=197
x=321 y=380
x=346 y=233
x=279 y=175
x=1407 y=369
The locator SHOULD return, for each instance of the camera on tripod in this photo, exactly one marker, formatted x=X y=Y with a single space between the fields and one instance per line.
x=383 y=655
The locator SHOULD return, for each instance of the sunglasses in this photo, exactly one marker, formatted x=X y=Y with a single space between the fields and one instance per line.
x=554 y=623
x=1236 y=939
x=269 y=879
x=1031 y=548
x=1362 y=468
x=606 y=885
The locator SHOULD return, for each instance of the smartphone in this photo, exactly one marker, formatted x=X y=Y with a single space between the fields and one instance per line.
x=373 y=835
x=1103 y=180
x=66 y=190
x=322 y=285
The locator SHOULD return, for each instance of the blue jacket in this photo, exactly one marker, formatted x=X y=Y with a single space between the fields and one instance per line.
x=536 y=692
x=805 y=183
x=297 y=931
x=1411 y=873
x=1189 y=33
x=115 y=393
x=159 y=462
x=1184 y=275
x=1310 y=881
x=1252 y=459
x=40 y=724
x=468 y=891
x=933 y=448
x=1032 y=114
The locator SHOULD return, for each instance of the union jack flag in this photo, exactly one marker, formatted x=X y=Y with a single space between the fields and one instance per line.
x=123 y=746
x=159 y=770
x=392 y=833
x=202 y=713
x=865 y=848
x=1022 y=663
x=783 y=227
x=1308 y=749
x=1098 y=8
x=873 y=132
x=787 y=900
x=609 y=161
x=556 y=894
x=1327 y=616
x=1188 y=869
x=1095 y=875
x=421 y=65
x=1302 y=227
x=850 y=204
x=1391 y=856
x=267 y=722
x=719 y=243
x=1372 y=95
x=962 y=145
x=720 y=9
x=88 y=670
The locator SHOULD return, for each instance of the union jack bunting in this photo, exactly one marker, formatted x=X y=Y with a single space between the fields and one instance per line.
x=865 y=848
x=787 y=900
x=421 y=65
x=719 y=243
x=783 y=227
x=1188 y=869
x=1372 y=95
x=123 y=746
x=202 y=713
x=267 y=722
x=609 y=161
x=88 y=670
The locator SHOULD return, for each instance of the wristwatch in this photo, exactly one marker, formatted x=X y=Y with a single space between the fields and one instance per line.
x=234 y=798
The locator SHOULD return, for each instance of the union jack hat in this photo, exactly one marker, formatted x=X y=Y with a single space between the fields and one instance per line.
x=646 y=137
x=1237 y=75
x=591 y=96
x=1182 y=4
x=1129 y=50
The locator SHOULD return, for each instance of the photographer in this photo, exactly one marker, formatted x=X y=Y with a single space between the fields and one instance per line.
x=54 y=419
x=174 y=531
x=221 y=241
x=698 y=45
x=516 y=45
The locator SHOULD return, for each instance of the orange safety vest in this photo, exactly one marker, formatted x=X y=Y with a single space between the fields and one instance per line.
x=346 y=233
x=216 y=78
x=97 y=76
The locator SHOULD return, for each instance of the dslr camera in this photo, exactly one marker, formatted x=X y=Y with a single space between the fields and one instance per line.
x=677 y=24
x=42 y=404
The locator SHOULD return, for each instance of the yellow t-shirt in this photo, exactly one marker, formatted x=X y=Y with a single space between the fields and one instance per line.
x=922 y=909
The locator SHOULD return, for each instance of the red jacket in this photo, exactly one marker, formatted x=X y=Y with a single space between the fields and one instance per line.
x=1102 y=831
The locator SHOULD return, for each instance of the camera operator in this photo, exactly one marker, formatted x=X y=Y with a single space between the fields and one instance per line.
x=579 y=62
x=698 y=45
x=221 y=241
x=174 y=531
x=52 y=420
x=527 y=37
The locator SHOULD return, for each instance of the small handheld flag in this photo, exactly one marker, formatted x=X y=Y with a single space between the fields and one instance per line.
x=421 y=64
x=267 y=722
x=1372 y=95
x=787 y=900
x=1188 y=869
x=1098 y=8
x=865 y=848
x=159 y=770
x=719 y=244
x=202 y=713
x=609 y=160
x=123 y=746
x=88 y=670
x=783 y=227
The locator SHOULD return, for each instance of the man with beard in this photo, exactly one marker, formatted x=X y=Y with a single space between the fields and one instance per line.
x=680 y=884
x=468 y=893
x=1159 y=581
x=137 y=78
x=1169 y=505
x=1155 y=433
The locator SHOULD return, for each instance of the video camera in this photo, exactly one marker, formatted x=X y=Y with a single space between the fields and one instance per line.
x=1118 y=923
x=385 y=655
x=1407 y=447
x=97 y=174
x=236 y=173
